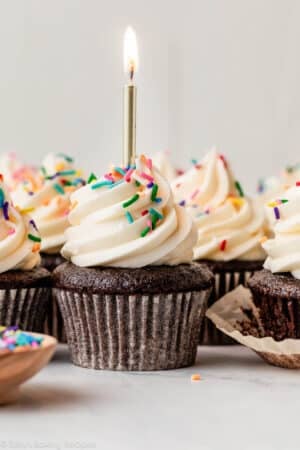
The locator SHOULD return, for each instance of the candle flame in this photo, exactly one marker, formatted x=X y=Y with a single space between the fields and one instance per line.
x=130 y=52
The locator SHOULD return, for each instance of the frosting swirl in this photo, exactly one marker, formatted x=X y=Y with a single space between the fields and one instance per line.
x=19 y=238
x=284 y=249
x=163 y=164
x=229 y=224
x=46 y=195
x=128 y=219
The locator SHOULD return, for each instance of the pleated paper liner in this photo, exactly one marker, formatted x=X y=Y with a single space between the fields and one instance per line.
x=132 y=332
x=224 y=283
x=236 y=315
x=54 y=324
x=24 y=307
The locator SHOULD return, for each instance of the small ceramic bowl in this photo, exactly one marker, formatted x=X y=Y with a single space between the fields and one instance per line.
x=20 y=365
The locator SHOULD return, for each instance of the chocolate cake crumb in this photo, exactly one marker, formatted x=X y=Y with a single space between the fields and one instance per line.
x=145 y=280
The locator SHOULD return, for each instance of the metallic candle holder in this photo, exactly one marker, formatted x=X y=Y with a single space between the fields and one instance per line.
x=129 y=125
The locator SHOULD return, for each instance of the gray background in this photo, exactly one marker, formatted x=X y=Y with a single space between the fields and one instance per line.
x=222 y=72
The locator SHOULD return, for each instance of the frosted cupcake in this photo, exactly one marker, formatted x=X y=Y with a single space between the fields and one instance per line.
x=130 y=297
x=230 y=228
x=45 y=194
x=275 y=187
x=24 y=287
x=276 y=289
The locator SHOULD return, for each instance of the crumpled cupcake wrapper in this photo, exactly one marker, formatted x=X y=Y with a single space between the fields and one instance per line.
x=54 y=325
x=224 y=283
x=25 y=308
x=132 y=332
x=228 y=313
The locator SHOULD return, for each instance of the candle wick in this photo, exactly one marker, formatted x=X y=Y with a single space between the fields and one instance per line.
x=131 y=70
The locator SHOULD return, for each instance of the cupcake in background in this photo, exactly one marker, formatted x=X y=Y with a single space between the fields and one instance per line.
x=45 y=193
x=24 y=287
x=130 y=297
x=275 y=186
x=276 y=289
x=14 y=170
x=230 y=227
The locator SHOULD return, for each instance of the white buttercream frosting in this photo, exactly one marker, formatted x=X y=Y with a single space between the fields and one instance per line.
x=229 y=224
x=19 y=238
x=128 y=219
x=162 y=162
x=46 y=195
x=284 y=249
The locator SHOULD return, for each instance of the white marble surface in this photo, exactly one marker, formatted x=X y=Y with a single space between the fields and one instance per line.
x=241 y=403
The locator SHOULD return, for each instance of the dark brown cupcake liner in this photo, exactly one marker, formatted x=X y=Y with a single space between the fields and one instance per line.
x=132 y=332
x=224 y=283
x=54 y=324
x=24 y=307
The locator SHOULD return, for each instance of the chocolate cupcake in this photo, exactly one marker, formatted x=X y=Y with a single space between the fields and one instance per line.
x=24 y=288
x=45 y=193
x=276 y=289
x=230 y=227
x=130 y=298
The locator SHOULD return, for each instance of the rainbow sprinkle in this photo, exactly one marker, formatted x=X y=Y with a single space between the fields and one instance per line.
x=59 y=188
x=277 y=213
x=131 y=201
x=2 y=198
x=120 y=171
x=236 y=201
x=129 y=217
x=224 y=161
x=66 y=157
x=92 y=178
x=239 y=188
x=116 y=183
x=223 y=245
x=195 y=193
x=34 y=238
x=101 y=184
x=145 y=231
x=147 y=177
x=66 y=172
x=127 y=177
x=277 y=202
x=154 y=192
x=32 y=222
x=11 y=338
x=156 y=213
x=5 y=210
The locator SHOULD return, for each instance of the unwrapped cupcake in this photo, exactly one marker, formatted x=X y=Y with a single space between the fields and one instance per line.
x=24 y=287
x=230 y=227
x=276 y=289
x=130 y=297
